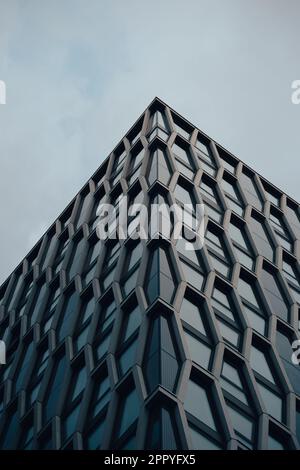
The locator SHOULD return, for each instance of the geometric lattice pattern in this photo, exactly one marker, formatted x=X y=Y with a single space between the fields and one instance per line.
x=142 y=344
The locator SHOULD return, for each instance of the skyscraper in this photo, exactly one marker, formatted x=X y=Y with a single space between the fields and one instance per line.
x=136 y=343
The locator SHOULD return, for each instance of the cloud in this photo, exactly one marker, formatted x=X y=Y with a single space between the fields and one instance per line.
x=79 y=73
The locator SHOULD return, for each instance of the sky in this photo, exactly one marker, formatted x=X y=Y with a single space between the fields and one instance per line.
x=78 y=74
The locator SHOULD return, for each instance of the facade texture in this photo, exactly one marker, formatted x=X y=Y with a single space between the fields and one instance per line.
x=141 y=344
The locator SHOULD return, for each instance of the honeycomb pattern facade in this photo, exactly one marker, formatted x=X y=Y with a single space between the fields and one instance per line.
x=141 y=344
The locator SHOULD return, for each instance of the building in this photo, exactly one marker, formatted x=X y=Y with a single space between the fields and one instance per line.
x=143 y=344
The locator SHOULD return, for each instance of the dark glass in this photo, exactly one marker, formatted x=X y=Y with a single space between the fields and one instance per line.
x=160 y=277
x=275 y=444
x=93 y=440
x=128 y=412
x=67 y=314
x=14 y=292
x=132 y=323
x=274 y=295
x=71 y=421
x=101 y=395
x=55 y=388
x=162 y=432
x=161 y=364
x=298 y=422
x=9 y=437
x=76 y=258
x=202 y=442
x=127 y=358
x=23 y=366
x=36 y=306
x=79 y=383
x=107 y=316
x=103 y=347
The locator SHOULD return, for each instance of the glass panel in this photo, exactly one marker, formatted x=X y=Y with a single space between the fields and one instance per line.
x=127 y=358
x=102 y=395
x=245 y=259
x=201 y=442
x=94 y=438
x=71 y=421
x=182 y=195
x=23 y=366
x=80 y=383
x=197 y=404
x=246 y=292
x=184 y=170
x=193 y=277
x=220 y=266
x=220 y=302
x=81 y=339
x=200 y=352
x=132 y=323
x=274 y=444
x=274 y=295
x=228 y=333
x=103 y=347
x=181 y=153
x=273 y=402
x=83 y=209
x=261 y=239
x=231 y=382
x=190 y=313
x=66 y=315
x=8 y=438
x=251 y=191
x=36 y=306
x=54 y=390
x=229 y=166
x=185 y=248
x=256 y=321
x=159 y=169
x=203 y=146
x=76 y=258
x=129 y=412
x=242 y=425
x=290 y=273
x=260 y=364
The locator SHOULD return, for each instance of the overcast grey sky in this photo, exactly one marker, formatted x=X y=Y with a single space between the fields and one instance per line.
x=79 y=73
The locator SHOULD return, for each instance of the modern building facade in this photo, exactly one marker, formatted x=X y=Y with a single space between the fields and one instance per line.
x=142 y=344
